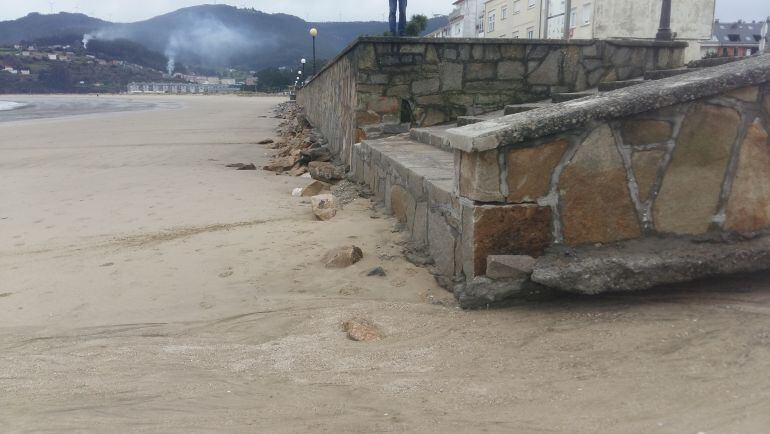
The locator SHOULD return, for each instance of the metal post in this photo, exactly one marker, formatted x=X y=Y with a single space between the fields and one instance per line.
x=664 y=32
x=567 y=16
x=314 y=68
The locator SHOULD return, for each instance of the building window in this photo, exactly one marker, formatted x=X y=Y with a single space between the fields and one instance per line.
x=491 y=25
x=531 y=4
x=503 y=12
x=587 y=10
x=517 y=7
x=573 y=18
x=531 y=33
x=515 y=35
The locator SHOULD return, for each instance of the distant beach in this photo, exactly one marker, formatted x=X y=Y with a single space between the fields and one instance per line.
x=26 y=107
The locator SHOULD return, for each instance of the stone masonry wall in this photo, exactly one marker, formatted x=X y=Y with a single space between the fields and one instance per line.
x=687 y=169
x=330 y=103
x=397 y=83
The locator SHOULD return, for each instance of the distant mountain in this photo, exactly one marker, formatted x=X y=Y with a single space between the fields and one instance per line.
x=207 y=37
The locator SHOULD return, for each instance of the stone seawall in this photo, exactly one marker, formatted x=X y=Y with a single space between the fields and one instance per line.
x=685 y=156
x=381 y=86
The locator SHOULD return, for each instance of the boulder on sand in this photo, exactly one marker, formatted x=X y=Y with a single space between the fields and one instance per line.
x=324 y=206
x=342 y=257
x=326 y=172
x=315 y=188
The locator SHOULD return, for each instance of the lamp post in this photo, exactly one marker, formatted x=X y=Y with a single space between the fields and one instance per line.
x=314 y=33
x=664 y=32
x=303 y=62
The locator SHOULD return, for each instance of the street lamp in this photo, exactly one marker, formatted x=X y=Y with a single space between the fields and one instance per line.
x=314 y=33
x=303 y=62
x=664 y=32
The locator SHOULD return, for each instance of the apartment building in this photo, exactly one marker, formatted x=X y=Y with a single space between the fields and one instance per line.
x=513 y=19
x=600 y=19
x=465 y=21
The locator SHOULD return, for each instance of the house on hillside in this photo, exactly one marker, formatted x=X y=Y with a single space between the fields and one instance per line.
x=25 y=72
x=737 y=39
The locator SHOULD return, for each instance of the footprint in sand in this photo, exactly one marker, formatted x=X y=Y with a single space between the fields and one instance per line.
x=6 y=294
x=205 y=305
x=226 y=274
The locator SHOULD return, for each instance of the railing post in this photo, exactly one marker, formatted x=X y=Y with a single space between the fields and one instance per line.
x=664 y=32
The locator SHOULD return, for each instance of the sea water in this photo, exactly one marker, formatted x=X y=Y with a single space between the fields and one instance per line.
x=10 y=105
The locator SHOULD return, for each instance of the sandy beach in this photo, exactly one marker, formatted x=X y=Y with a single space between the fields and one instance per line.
x=145 y=287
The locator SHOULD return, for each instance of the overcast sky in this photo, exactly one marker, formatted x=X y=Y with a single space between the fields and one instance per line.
x=311 y=10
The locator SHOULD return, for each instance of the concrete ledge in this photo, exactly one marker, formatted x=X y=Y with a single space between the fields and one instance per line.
x=645 y=264
x=514 y=129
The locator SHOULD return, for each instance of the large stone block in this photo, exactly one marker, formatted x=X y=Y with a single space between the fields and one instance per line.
x=509 y=230
x=383 y=104
x=749 y=204
x=596 y=204
x=646 y=132
x=511 y=70
x=480 y=176
x=513 y=52
x=747 y=94
x=403 y=205
x=646 y=166
x=547 y=71
x=480 y=71
x=412 y=48
x=442 y=240
x=366 y=57
x=689 y=196
x=426 y=87
x=530 y=170
x=451 y=75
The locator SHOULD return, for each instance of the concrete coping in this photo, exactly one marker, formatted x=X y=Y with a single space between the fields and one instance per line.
x=496 y=41
x=557 y=118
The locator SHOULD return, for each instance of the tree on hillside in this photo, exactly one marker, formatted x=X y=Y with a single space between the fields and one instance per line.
x=416 y=25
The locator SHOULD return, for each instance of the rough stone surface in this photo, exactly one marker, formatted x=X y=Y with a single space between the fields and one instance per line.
x=480 y=71
x=644 y=264
x=482 y=292
x=451 y=76
x=509 y=230
x=646 y=165
x=510 y=70
x=442 y=242
x=403 y=205
x=689 y=196
x=510 y=266
x=530 y=170
x=596 y=203
x=315 y=188
x=324 y=206
x=547 y=72
x=342 y=257
x=747 y=94
x=646 y=132
x=326 y=172
x=748 y=208
x=361 y=330
x=480 y=177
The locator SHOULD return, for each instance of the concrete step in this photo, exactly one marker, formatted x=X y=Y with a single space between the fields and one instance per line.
x=666 y=73
x=564 y=97
x=609 y=86
x=521 y=108
x=716 y=61
x=432 y=136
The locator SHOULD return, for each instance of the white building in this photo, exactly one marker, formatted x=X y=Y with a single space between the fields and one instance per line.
x=599 y=19
x=465 y=21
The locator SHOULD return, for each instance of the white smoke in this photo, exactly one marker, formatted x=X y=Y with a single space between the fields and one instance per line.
x=86 y=39
x=171 y=65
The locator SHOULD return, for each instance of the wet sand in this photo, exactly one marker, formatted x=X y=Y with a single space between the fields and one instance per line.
x=145 y=287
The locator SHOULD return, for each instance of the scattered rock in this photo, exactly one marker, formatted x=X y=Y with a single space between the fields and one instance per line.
x=361 y=330
x=342 y=257
x=107 y=264
x=322 y=154
x=315 y=188
x=345 y=192
x=326 y=172
x=377 y=271
x=248 y=167
x=6 y=294
x=510 y=266
x=236 y=165
x=324 y=206
x=281 y=164
x=265 y=142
